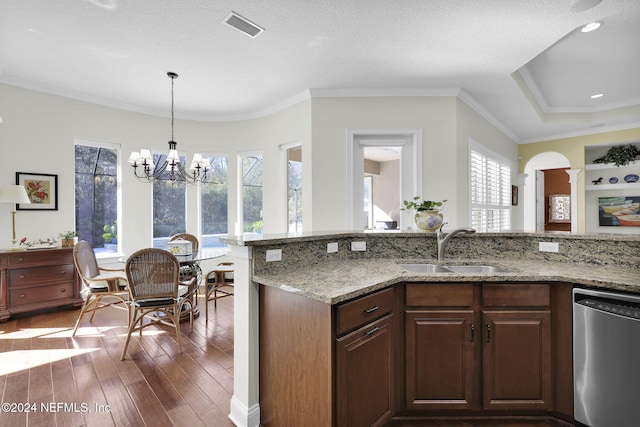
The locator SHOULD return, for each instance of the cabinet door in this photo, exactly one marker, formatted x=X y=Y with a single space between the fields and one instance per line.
x=516 y=359
x=364 y=375
x=439 y=359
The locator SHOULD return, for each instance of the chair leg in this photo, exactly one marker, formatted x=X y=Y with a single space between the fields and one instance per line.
x=132 y=326
x=176 y=322
x=83 y=311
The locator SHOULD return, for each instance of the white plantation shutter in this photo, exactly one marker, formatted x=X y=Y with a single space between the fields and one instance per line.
x=490 y=188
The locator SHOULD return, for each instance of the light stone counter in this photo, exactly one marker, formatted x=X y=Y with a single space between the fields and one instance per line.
x=307 y=268
x=332 y=282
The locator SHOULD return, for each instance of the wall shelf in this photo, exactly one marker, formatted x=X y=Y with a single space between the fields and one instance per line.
x=602 y=166
x=622 y=186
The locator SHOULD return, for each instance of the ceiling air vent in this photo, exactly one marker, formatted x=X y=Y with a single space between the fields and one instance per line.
x=243 y=24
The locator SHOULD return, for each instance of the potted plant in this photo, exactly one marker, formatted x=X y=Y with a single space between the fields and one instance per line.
x=428 y=216
x=68 y=239
x=620 y=155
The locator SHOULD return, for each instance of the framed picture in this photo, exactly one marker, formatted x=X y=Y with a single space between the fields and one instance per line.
x=623 y=211
x=514 y=195
x=42 y=190
x=560 y=208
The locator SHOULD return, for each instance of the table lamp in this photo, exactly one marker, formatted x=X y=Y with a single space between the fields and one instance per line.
x=13 y=194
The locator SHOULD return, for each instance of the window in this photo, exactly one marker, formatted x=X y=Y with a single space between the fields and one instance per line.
x=96 y=190
x=294 y=198
x=368 y=202
x=252 y=194
x=213 y=203
x=490 y=181
x=169 y=206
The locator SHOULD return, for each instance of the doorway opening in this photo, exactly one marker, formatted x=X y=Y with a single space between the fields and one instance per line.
x=382 y=187
x=400 y=179
x=537 y=203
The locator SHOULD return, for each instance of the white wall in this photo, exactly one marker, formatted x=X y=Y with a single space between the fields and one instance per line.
x=471 y=125
x=37 y=135
x=332 y=117
x=38 y=131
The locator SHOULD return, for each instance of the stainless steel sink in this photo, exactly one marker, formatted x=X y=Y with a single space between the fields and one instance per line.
x=436 y=268
x=475 y=269
x=425 y=268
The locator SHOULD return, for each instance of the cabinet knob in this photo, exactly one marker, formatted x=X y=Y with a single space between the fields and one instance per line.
x=63 y=290
x=21 y=296
x=22 y=276
x=63 y=272
x=488 y=333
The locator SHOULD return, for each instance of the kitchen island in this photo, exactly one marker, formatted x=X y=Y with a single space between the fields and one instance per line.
x=293 y=306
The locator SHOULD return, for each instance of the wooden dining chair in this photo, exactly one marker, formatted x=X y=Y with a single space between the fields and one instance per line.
x=156 y=290
x=219 y=284
x=98 y=283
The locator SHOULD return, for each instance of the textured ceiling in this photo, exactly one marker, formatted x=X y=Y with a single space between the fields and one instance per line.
x=520 y=63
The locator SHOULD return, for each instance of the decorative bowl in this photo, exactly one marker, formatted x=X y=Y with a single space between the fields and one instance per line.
x=632 y=177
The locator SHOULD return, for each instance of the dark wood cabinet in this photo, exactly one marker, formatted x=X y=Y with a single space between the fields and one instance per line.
x=327 y=365
x=516 y=352
x=364 y=375
x=516 y=360
x=440 y=340
x=37 y=279
x=365 y=360
x=477 y=347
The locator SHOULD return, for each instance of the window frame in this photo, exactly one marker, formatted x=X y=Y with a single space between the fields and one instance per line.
x=118 y=164
x=504 y=206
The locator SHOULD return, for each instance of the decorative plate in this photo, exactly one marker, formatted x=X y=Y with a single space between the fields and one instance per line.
x=613 y=180
x=632 y=177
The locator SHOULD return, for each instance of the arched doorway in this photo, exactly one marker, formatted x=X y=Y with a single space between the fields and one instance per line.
x=534 y=195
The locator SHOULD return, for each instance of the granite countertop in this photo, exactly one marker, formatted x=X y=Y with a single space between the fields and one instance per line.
x=332 y=282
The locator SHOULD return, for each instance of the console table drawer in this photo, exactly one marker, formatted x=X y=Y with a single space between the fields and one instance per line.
x=39 y=257
x=40 y=294
x=41 y=275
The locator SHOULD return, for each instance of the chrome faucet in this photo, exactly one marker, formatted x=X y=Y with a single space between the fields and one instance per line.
x=443 y=240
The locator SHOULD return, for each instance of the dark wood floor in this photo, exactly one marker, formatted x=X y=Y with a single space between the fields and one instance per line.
x=81 y=381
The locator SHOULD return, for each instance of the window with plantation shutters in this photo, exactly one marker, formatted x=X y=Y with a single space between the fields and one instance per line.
x=490 y=189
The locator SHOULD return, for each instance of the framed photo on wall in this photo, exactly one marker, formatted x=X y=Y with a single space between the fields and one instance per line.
x=42 y=190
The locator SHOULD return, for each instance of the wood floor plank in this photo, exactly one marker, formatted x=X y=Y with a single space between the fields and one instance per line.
x=121 y=406
x=148 y=404
x=154 y=386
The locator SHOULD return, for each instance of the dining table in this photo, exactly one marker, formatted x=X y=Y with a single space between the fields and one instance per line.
x=190 y=267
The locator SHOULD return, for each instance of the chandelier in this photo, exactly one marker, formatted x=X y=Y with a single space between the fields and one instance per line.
x=172 y=169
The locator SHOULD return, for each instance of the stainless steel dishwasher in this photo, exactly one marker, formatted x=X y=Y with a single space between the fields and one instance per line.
x=606 y=352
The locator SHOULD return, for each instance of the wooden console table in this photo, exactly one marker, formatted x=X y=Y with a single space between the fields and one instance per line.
x=35 y=279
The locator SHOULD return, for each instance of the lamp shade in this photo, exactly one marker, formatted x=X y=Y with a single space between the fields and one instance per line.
x=13 y=194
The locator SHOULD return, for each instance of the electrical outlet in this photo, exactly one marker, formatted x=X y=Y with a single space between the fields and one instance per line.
x=548 y=247
x=358 y=246
x=274 y=255
x=332 y=247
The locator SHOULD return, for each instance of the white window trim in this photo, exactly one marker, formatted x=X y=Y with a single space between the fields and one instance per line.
x=477 y=147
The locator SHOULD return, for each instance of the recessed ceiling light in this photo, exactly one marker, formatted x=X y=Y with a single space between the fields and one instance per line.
x=591 y=26
x=597 y=95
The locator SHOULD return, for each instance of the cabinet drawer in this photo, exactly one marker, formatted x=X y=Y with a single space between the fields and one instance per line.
x=521 y=295
x=439 y=295
x=41 y=275
x=363 y=310
x=39 y=257
x=40 y=294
